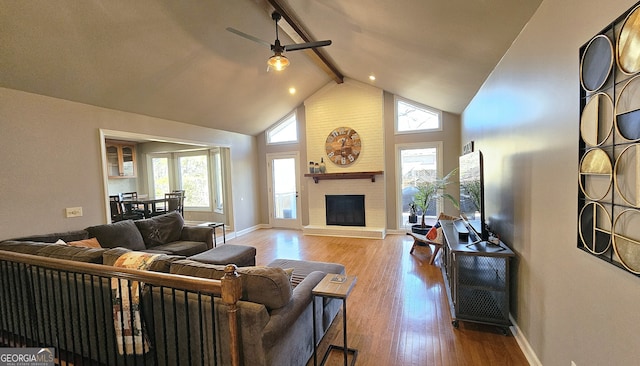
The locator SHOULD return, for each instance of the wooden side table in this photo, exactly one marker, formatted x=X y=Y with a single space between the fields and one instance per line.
x=334 y=286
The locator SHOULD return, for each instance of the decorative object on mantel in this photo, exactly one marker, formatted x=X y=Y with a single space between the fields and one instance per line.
x=428 y=191
x=323 y=167
x=354 y=175
x=343 y=146
x=311 y=167
x=609 y=144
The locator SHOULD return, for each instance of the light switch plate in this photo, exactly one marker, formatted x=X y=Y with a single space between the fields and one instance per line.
x=74 y=211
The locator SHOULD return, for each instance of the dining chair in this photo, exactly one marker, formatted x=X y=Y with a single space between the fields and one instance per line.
x=182 y=192
x=116 y=208
x=175 y=201
x=131 y=210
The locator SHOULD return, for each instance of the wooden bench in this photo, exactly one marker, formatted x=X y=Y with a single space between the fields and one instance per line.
x=421 y=240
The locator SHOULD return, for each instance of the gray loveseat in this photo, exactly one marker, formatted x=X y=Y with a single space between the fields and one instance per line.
x=274 y=313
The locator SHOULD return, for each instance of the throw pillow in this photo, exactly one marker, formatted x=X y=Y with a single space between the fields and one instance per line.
x=120 y=234
x=87 y=243
x=161 y=229
x=435 y=233
x=289 y=272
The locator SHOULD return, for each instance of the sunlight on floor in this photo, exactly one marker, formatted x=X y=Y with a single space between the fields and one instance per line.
x=287 y=245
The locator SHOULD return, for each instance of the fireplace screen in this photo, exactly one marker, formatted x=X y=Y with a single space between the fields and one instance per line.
x=345 y=210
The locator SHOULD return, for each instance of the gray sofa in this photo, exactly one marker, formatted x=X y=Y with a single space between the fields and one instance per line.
x=275 y=310
x=165 y=234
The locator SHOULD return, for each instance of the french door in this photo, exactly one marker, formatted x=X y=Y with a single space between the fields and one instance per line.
x=283 y=186
x=414 y=162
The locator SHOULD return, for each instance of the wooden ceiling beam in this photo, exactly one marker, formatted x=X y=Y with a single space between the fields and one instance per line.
x=316 y=53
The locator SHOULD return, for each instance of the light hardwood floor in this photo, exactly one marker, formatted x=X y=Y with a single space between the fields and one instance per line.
x=398 y=313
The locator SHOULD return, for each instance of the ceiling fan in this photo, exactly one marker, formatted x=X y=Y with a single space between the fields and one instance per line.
x=278 y=61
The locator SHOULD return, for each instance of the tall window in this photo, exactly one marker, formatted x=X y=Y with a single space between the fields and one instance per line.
x=417 y=162
x=284 y=131
x=160 y=167
x=194 y=180
x=415 y=117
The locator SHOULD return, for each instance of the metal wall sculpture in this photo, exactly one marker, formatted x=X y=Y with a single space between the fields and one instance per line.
x=609 y=144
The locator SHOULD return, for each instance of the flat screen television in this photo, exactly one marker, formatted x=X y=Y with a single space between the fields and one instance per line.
x=472 y=193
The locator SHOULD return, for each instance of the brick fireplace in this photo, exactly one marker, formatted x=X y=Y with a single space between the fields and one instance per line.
x=359 y=107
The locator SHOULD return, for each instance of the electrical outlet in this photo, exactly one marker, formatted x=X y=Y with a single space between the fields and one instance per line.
x=74 y=211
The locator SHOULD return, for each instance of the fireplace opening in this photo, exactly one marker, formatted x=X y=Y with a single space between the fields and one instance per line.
x=345 y=210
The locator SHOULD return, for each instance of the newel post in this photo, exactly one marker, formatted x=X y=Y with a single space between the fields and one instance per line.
x=231 y=293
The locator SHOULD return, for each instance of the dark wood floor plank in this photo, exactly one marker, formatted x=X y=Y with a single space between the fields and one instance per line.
x=398 y=312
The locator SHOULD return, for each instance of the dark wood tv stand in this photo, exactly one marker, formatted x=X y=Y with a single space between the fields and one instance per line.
x=476 y=277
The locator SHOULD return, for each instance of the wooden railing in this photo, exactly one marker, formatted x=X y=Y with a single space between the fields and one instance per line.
x=46 y=302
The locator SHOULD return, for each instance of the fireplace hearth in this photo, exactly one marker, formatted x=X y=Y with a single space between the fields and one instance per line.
x=345 y=210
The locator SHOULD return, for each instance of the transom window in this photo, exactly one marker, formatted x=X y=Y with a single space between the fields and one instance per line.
x=284 y=131
x=415 y=117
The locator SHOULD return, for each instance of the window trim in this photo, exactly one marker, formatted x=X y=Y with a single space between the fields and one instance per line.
x=206 y=154
x=293 y=115
x=175 y=180
x=397 y=99
x=150 y=176
x=217 y=180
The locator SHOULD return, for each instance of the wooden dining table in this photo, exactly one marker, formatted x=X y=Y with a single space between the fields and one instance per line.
x=149 y=204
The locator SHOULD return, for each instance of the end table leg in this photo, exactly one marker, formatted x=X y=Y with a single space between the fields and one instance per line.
x=344 y=326
x=315 y=346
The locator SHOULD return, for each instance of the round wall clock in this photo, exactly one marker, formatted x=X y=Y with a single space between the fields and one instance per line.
x=343 y=146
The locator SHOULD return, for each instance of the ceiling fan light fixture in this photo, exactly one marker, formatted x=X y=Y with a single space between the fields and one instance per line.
x=278 y=62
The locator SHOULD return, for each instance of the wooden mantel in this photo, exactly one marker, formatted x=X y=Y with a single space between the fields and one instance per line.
x=352 y=175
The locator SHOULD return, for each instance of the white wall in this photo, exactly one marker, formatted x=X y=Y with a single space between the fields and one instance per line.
x=525 y=119
x=360 y=107
x=50 y=159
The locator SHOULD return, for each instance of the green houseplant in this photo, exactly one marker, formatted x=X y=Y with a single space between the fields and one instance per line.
x=432 y=189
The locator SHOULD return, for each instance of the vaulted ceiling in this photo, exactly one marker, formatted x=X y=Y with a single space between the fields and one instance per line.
x=176 y=60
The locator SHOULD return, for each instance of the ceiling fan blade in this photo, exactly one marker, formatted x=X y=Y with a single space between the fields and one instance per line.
x=302 y=46
x=249 y=37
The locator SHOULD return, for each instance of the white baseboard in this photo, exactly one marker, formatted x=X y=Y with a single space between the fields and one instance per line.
x=345 y=231
x=397 y=231
x=251 y=229
x=524 y=344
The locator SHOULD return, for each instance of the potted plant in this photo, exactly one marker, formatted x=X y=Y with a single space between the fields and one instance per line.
x=429 y=190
